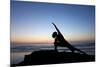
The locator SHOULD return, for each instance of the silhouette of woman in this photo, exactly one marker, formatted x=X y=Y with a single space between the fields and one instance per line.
x=60 y=41
x=56 y=42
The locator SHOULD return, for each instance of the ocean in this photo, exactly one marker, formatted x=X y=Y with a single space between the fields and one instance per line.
x=18 y=51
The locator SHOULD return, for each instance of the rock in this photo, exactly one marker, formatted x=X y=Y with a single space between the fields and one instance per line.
x=54 y=57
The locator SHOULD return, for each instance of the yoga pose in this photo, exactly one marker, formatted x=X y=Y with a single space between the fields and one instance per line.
x=60 y=41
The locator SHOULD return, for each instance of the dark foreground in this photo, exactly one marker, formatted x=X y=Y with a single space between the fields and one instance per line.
x=54 y=57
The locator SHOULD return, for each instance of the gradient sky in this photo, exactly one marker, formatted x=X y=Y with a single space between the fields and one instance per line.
x=31 y=22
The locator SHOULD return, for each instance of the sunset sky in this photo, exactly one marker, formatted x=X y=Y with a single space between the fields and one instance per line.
x=31 y=22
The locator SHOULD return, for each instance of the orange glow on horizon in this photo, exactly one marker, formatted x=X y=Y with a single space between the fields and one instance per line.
x=80 y=38
x=42 y=39
x=30 y=39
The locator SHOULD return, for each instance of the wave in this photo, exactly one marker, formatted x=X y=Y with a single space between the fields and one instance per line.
x=89 y=47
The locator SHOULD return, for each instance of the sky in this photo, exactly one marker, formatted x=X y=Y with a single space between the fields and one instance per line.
x=31 y=22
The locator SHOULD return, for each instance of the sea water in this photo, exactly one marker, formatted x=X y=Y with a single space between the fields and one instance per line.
x=18 y=51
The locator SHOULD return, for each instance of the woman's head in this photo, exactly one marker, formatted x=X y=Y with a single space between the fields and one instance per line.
x=54 y=34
